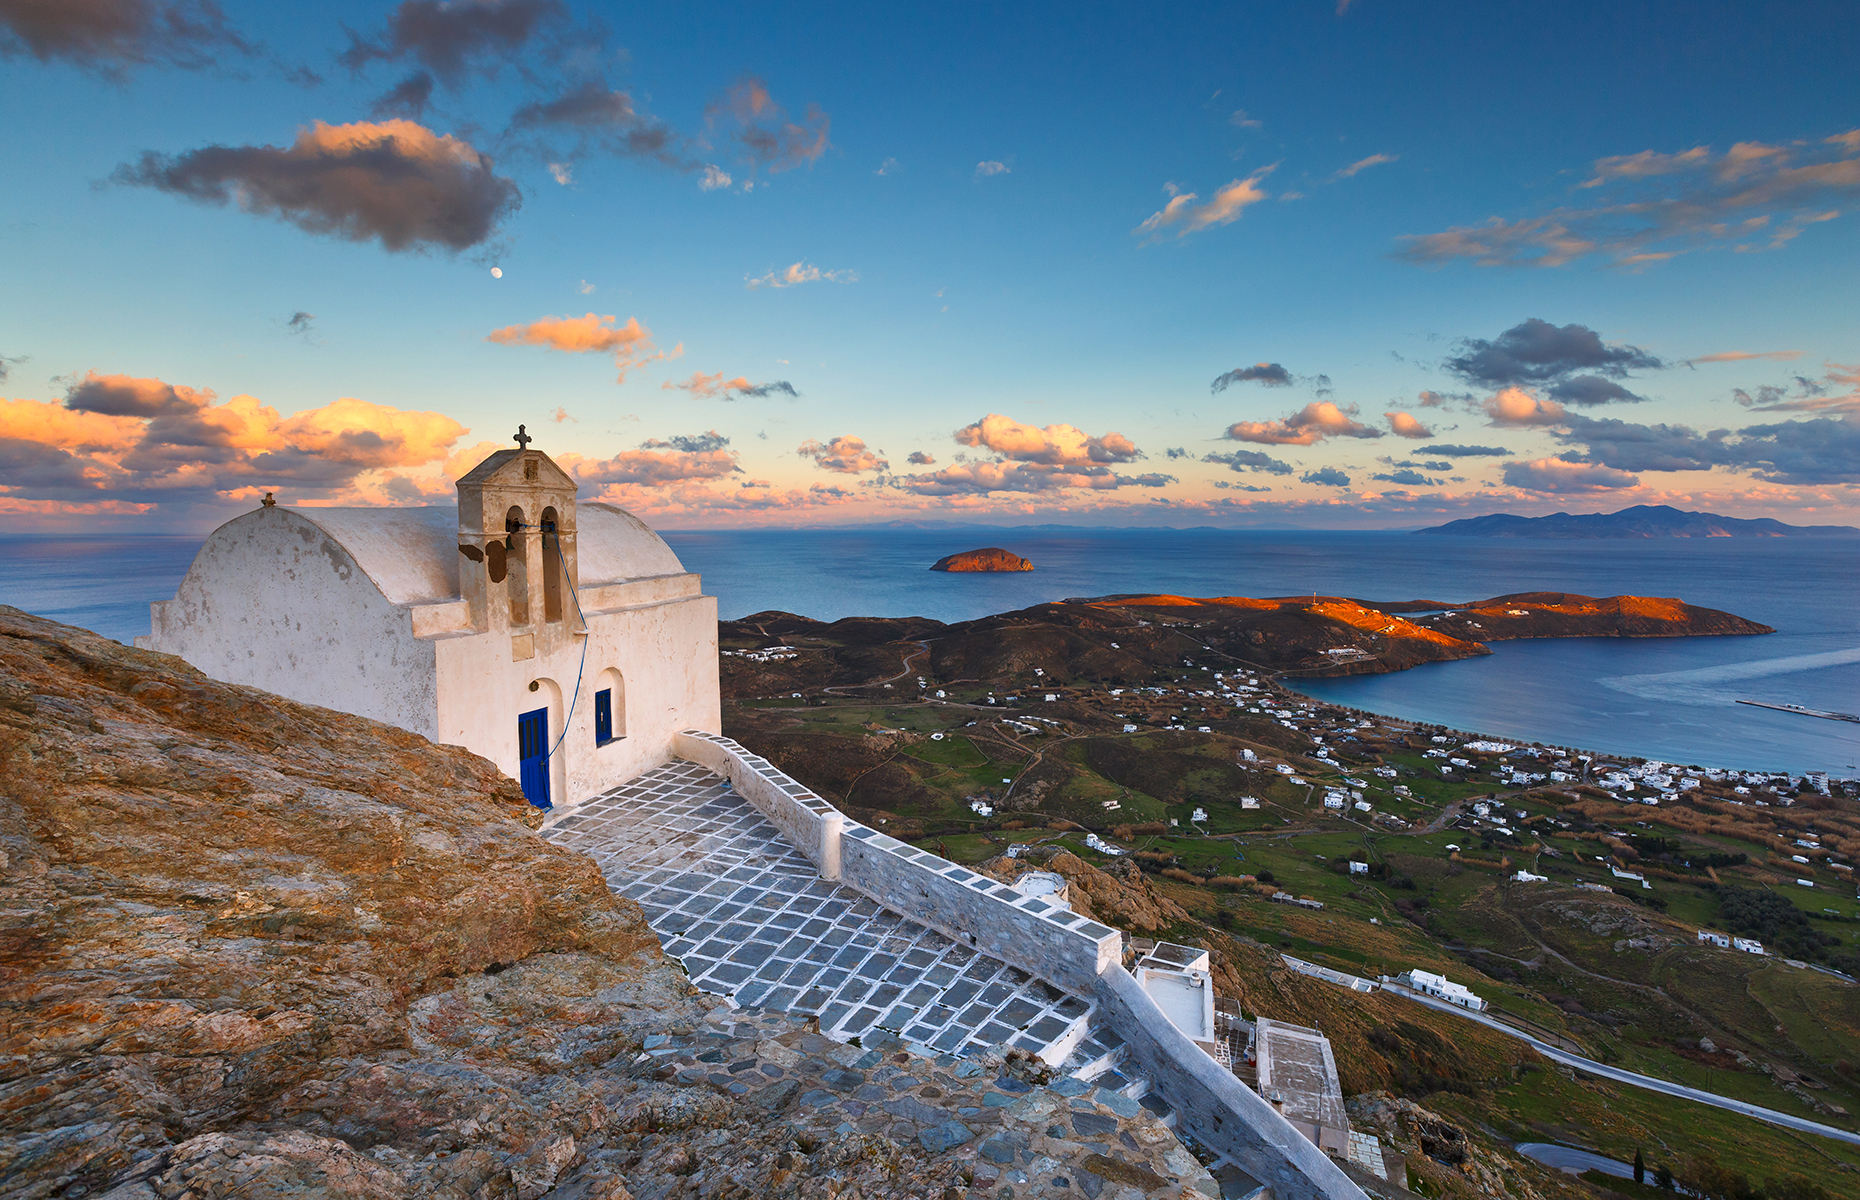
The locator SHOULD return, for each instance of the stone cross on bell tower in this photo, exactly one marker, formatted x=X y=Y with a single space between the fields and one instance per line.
x=522 y=439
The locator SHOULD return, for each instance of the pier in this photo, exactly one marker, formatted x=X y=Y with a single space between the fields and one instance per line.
x=1806 y=712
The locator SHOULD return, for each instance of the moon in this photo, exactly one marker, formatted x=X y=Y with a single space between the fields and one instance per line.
x=497 y=272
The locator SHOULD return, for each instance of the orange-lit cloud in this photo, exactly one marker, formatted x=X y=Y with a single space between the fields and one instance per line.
x=124 y=440
x=1405 y=425
x=1746 y=356
x=1055 y=445
x=630 y=344
x=1514 y=406
x=846 y=455
x=396 y=181
x=1184 y=216
x=1313 y=423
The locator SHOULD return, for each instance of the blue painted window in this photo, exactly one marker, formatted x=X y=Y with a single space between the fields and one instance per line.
x=603 y=717
x=533 y=756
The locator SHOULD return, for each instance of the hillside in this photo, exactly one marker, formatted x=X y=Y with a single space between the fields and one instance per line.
x=1204 y=783
x=1640 y=521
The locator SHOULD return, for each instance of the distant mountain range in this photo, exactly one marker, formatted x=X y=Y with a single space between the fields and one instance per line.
x=1641 y=521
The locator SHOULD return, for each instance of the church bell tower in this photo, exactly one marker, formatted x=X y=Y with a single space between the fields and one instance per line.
x=517 y=536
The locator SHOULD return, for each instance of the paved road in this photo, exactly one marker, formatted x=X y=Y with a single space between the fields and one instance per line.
x=1590 y=1066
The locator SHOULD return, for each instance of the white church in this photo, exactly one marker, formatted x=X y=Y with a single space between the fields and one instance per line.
x=565 y=643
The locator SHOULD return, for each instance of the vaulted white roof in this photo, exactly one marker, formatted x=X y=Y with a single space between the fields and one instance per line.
x=412 y=556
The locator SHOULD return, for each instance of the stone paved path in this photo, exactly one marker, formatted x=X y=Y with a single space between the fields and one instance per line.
x=993 y=1126
x=748 y=917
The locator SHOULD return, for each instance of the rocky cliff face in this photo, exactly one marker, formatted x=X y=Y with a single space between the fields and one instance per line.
x=255 y=948
x=991 y=559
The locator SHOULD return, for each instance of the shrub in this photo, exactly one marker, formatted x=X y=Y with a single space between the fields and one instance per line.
x=1180 y=875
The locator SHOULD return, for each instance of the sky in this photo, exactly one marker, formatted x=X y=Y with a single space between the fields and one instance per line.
x=1314 y=263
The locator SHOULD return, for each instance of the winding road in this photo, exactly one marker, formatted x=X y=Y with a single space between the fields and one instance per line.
x=1617 y=1075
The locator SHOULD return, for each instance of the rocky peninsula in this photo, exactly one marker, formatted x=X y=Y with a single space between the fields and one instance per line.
x=992 y=558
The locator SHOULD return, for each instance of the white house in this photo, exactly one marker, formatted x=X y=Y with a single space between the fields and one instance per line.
x=1442 y=988
x=1714 y=938
x=564 y=642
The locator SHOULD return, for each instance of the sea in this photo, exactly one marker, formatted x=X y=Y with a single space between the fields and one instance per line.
x=1668 y=699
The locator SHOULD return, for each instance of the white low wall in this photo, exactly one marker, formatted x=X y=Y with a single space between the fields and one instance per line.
x=1038 y=936
x=1212 y=1105
x=810 y=824
x=1048 y=941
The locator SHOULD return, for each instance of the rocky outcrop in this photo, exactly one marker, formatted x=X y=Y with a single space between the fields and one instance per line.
x=1118 y=896
x=1442 y=1157
x=254 y=948
x=991 y=559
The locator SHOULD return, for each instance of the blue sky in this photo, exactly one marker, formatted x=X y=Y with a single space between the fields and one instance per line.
x=1026 y=243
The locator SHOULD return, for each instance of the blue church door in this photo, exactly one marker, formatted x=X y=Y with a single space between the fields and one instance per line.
x=533 y=755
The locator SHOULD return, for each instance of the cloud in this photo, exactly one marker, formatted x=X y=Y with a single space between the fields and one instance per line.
x=561 y=414
x=452 y=38
x=1468 y=452
x=1313 y=423
x=1514 y=407
x=630 y=344
x=395 y=181
x=1327 y=476
x=6 y=365
x=1592 y=390
x=984 y=169
x=1363 y=164
x=714 y=386
x=300 y=323
x=595 y=117
x=695 y=443
x=1031 y=459
x=846 y=455
x=800 y=272
x=1535 y=351
x=108 y=36
x=1407 y=477
x=1836 y=391
x=1176 y=452
x=1055 y=445
x=1822 y=450
x=1432 y=399
x=659 y=463
x=1184 y=216
x=1656 y=206
x=888 y=167
x=410 y=98
x=1745 y=356
x=1240 y=487
x=761 y=131
x=1562 y=477
x=1405 y=425
x=1240 y=120
x=981 y=478
x=1250 y=460
x=919 y=459
x=1266 y=374
x=714 y=178
x=142 y=440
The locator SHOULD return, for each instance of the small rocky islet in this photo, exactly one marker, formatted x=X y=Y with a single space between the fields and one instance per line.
x=991 y=558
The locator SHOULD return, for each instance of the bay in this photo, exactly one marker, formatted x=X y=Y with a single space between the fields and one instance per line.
x=1672 y=699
